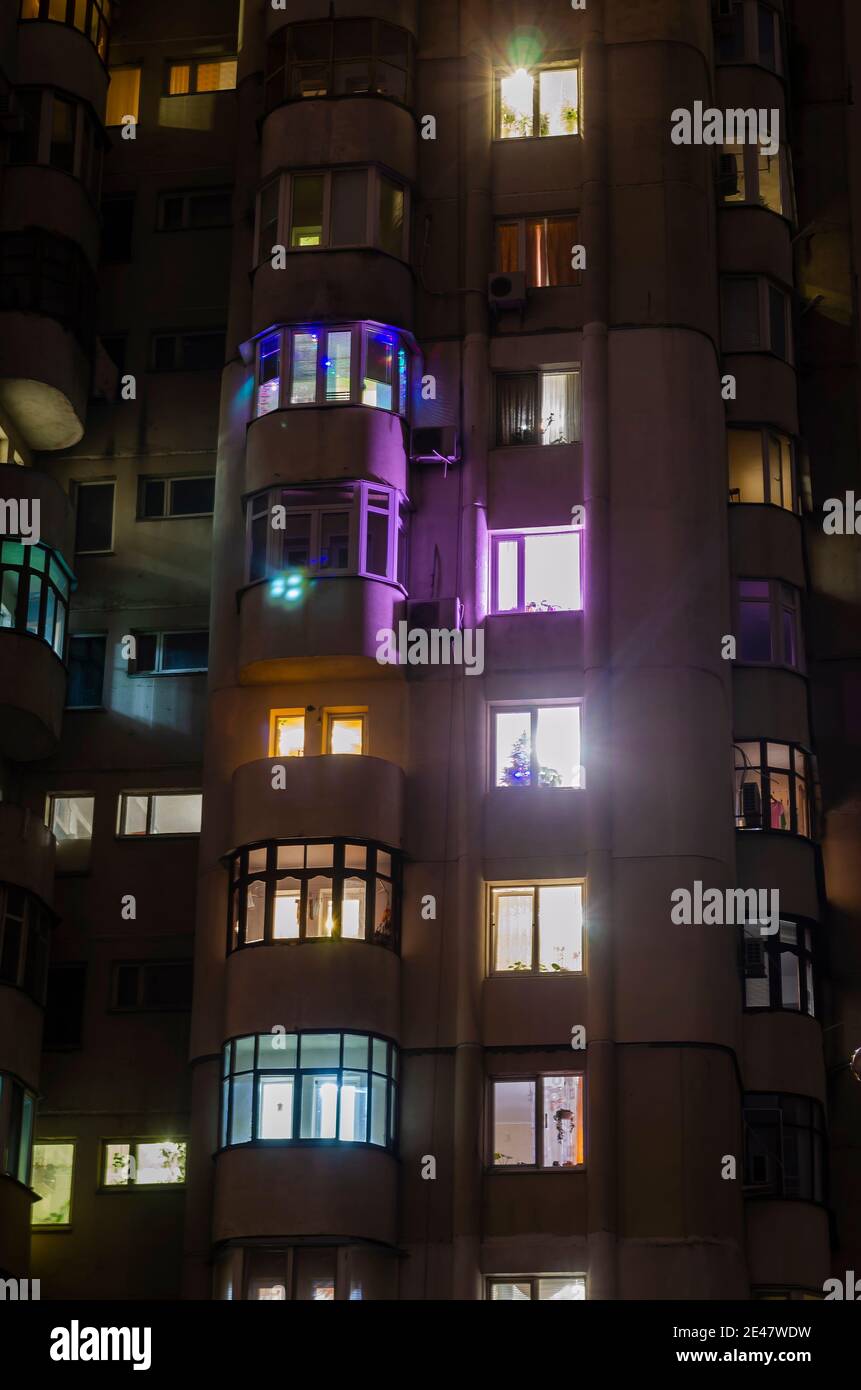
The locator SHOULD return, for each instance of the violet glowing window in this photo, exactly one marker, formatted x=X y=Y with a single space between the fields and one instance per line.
x=536 y=572
x=537 y=746
x=768 y=623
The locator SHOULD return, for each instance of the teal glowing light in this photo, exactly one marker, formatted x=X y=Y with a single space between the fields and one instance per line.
x=289 y=587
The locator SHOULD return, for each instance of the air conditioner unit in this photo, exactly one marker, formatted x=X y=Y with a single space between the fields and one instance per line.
x=435 y=444
x=506 y=290
x=750 y=806
x=444 y=613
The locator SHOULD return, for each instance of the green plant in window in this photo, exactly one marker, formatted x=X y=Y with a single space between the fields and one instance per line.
x=514 y=125
x=544 y=124
x=569 y=120
x=173 y=1159
x=519 y=965
x=503 y=1158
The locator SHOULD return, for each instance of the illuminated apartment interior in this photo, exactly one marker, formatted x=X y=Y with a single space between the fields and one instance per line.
x=326 y=977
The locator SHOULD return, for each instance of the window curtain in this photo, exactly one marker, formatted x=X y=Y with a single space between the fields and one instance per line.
x=561 y=236
x=536 y=258
x=507 y=258
x=514 y=931
x=558 y=408
x=517 y=409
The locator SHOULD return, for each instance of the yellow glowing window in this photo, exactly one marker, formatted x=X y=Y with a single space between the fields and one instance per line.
x=288 y=735
x=30 y=9
x=179 y=80
x=216 y=77
x=123 y=95
x=346 y=733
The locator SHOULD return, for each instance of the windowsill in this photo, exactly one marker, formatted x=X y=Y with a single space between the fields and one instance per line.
x=542 y=787
x=536 y=444
x=772 y=506
x=177 y=516
x=86 y=554
x=85 y=709
x=770 y=666
x=526 y=139
x=536 y=613
x=126 y=1189
x=536 y=975
x=525 y=1169
x=795 y=1013
x=159 y=675
x=49 y=1229
x=310 y=941
x=174 y=835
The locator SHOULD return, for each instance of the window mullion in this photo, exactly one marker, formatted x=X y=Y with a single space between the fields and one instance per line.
x=533 y=750
x=303 y=901
x=538 y=1138
x=521 y=574
x=536 y=928
x=536 y=104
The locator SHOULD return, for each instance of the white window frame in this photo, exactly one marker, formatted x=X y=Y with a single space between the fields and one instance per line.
x=50 y=802
x=750 y=169
x=537 y=1079
x=495 y=891
x=132 y=1145
x=534 y=1280
x=535 y=70
x=151 y=795
x=159 y=670
x=522 y=244
x=777 y=604
x=764 y=285
x=359 y=331
x=98 y=482
x=169 y=514
x=520 y=537
x=284 y=225
x=532 y=707
x=261 y=504
x=331 y=716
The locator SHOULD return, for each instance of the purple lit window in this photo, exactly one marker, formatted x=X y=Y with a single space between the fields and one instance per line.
x=768 y=623
x=535 y=572
x=269 y=380
x=537 y=745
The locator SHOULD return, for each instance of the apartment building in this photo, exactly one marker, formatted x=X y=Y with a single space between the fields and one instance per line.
x=339 y=960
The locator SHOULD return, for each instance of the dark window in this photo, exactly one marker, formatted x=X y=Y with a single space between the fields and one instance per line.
x=117 y=225
x=777 y=321
x=115 y=347
x=94 y=520
x=778 y=970
x=24 y=932
x=729 y=30
x=153 y=491
x=41 y=273
x=188 y=351
x=63 y=134
x=341 y=57
x=86 y=661
x=208 y=208
x=147 y=652
x=185 y=651
x=163 y=984
x=784 y=1147
x=64 y=1011
x=164 y=497
x=24 y=142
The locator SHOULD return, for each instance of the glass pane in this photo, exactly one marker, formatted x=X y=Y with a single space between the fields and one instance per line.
x=790 y=984
x=513 y=1123
x=285 y=916
x=770 y=181
x=275 y=1107
x=780 y=472
x=216 y=77
x=767 y=19
x=777 y=754
x=192 y=496
x=383 y=925
x=733 y=188
x=356 y=1051
x=379 y=359
x=303 y=389
x=72 y=817
x=390 y=81
x=266 y=1277
x=779 y=813
x=510 y=1293
x=513 y=748
x=255 y=910
x=334 y=541
x=552 y=581
x=9 y=598
x=319 y=1050
x=563 y=1121
x=346 y=733
x=185 y=651
x=740 y=306
x=290 y=735
x=790 y=654
x=506 y=576
x=384 y=863
x=320 y=920
x=558 y=101
x=240 y=1123
x=377 y=547
x=355 y=856
x=515 y=105
x=802 y=807
x=337 y=364
x=319 y=1106
x=243 y=1048
x=52 y=1180
x=177 y=815
x=50 y=612
x=353 y=909
x=754 y=635
x=353 y=1122
x=507 y=246
x=291 y=856
x=557 y=746
x=513 y=918
x=349 y=208
x=558 y=408
x=391 y=214
x=123 y=95
x=777 y=320
x=34 y=602
x=319 y=856
x=314 y=1278
x=561 y=1290
x=179 y=79
x=306 y=221
x=379 y=1056
x=379 y=1109
x=63 y=134
x=135 y=815
x=118 y=1165
x=160 y=1162
x=744 y=449
x=276 y=1051
x=560 y=927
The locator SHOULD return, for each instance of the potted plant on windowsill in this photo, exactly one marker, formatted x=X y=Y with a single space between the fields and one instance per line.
x=569 y=119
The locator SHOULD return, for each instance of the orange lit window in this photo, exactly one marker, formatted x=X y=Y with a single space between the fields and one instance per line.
x=204 y=75
x=287 y=733
x=216 y=77
x=345 y=733
x=123 y=95
x=179 y=79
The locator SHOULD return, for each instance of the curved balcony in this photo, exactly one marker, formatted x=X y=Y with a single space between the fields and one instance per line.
x=357 y=284
x=331 y=633
x=401 y=12
x=32 y=696
x=280 y=1191
x=323 y=134
x=787 y=1244
x=39 y=196
x=783 y=1052
x=56 y=514
x=44 y=373
x=755 y=239
x=766 y=389
x=772 y=860
x=341 y=442
x=306 y=1272
x=328 y=796
x=768 y=697
x=307 y=985
x=766 y=540
x=27 y=850
x=52 y=54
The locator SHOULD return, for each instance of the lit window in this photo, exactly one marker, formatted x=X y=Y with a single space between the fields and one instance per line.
x=200 y=75
x=25 y=927
x=768 y=623
x=296 y=892
x=86 y=662
x=538 y=1122
x=288 y=734
x=345 y=733
x=144 y=1163
x=34 y=592
x=53 y=1169
x=90 y=17
x=544 y=101
x=772 y=787
x=778 y=970
x=749 y=175
x=761 y=468
x=123 y=95
x=551 y=1288
x=165 y=497
x=309 y=1086
x=341 y=57
x=755 y=316
x=537 y=929
x=353 y=365
x=291 y=531
x=70 y=817
x=542 y=246
x=17 y=1113
x=784 y=1147
x=164 y=653
x=535 y=572
x=151 y=985
x=537 y=746
x=94 y=518
x=538 y=408
x=159 y=813
x=188 y=352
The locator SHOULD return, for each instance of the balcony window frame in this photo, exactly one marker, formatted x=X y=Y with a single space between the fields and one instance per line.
x=535 y=70
x=376 y=174
x=88 y=140
x=765 y=287
x=54 y=597
x=776 y=1186
x=750 y=197
x=764 y=771
x=535 y=379
x=761 y=959
x=97 y=20
x=24 y=943
x=497 y=891
x=260 y=505
x=241 y=874
x=42 y=272
x=537 y=1079
x=17 y=1126
x=751 y=55
x=152 y=794
x=779 y=606
x=767 y=437
x=280 y=67
x=360 y=331
x=194 y=62
x=499 y=538
x=133 y=1143
x=533 y=708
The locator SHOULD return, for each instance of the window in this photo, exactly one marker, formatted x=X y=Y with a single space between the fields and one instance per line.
x=537 y=745
x=24 y=933
x=70 y=817
x=60 y=131
x=537 y=929
x=308 y=1087
x=64 y=1009
x=537 y=1122
x=94 y=518
x=749 y=175
x=200 y=75
x=297 y=891
x=330 y=531
x=535 y=572
x=34 y=592
x=346 y=731
x=159 y=813
x=143 y=1163
x=747 y=31
x=761 y=468
x=544 y=101
x=151 y=985
x=118 y=216
x=773 y=787
x=188 y=352
x=784 y=1147
x=768 y=623
x=41 y=273
x=778 y=970
x=542 y=246
x=538 y=408
x=170 y=497
x=287 y=733
x=341 y=57
x=518 y=1288
x=90 y=17
x=356 y=364
x=86 y=670
x=53 y=1169
x=333 y=208
x=169 y=653
x=755 y=316
x=194 y=209
x=123 y=95
x=17 y=1112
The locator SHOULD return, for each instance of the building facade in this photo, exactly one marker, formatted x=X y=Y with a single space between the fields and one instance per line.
x=437 y=640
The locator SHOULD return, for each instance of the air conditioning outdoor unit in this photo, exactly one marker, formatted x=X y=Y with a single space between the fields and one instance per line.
x=444 y=613
x=507 y=289
x=435 y=444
